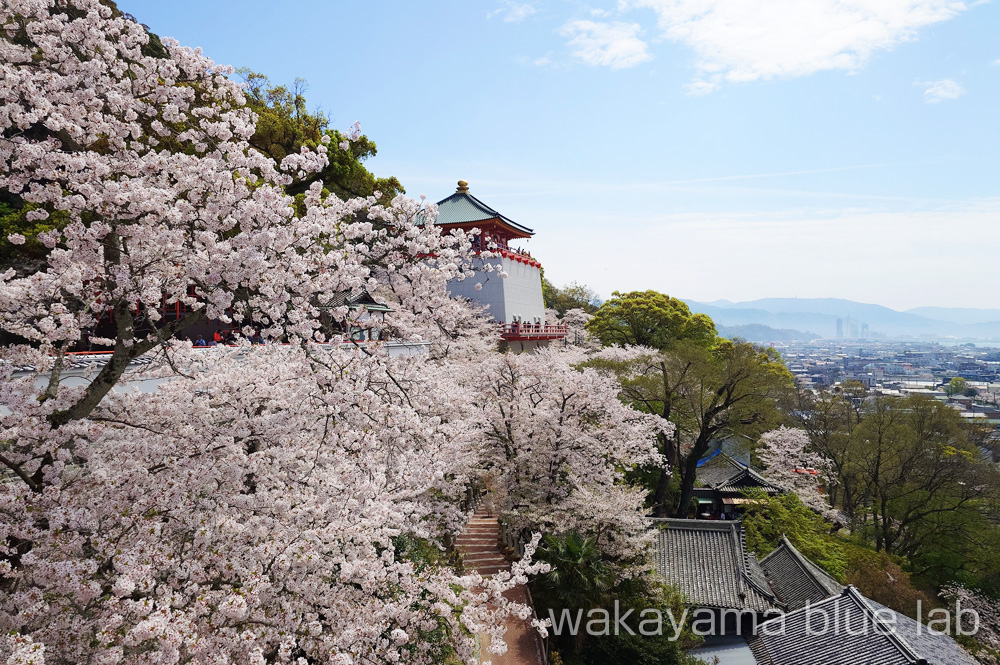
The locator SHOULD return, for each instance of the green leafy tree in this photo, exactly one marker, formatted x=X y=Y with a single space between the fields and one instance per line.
x=650 y=318
x=768 y=518
x=917 y=466
x=912 y=480
x=574 y=296
x=285 y=126
x=957 y=386
x=637 y=649
x=732 y=391
x=829 y=419
x=652 y=381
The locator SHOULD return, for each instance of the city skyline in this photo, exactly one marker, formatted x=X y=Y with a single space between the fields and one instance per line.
x=654 y=147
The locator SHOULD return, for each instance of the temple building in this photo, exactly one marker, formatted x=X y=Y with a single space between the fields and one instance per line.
x=722 y=482
x=783 y=609
x=516 y=301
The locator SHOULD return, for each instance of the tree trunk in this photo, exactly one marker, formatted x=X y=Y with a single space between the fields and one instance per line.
x=660 y=507
x=689 y=472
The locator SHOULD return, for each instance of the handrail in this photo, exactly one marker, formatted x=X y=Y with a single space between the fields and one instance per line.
x=515 y=543
x=534 y=329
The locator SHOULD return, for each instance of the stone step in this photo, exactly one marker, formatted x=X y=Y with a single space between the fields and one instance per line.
x=491 y=570
x=482 y=556
x=481 y=553
x=478 y=545
x=478 y=538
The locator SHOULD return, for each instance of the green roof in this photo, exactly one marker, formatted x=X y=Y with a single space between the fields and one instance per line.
x=464 y=208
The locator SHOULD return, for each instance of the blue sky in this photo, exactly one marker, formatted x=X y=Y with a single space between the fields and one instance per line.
x=708 y=149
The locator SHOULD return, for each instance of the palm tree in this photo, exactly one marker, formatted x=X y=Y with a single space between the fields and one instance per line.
x=580 y=578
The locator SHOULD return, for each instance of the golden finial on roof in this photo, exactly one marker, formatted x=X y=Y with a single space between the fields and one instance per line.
x=463 y=187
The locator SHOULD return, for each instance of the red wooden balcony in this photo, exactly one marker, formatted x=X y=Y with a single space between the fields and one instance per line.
x=521 y=332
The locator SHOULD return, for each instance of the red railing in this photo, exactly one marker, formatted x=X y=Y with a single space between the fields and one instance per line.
x=519 y=256
x=526 y=331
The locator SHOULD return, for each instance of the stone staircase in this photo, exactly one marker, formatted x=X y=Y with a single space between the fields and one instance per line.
x=478 y=545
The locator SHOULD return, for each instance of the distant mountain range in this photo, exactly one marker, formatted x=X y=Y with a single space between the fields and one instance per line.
x=780 y=319
x=755 y=332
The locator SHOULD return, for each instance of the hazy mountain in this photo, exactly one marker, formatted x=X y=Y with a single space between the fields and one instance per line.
x=755 y=332
x=820 y=315
x=961 y=315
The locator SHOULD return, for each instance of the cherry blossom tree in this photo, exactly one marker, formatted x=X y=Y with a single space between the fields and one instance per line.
x=980 y=616
x=558 y=441
x=262 y=511
x=263 y=505
x=792 y=464
x=454 y=329
x=575 y=321
x=144 y=162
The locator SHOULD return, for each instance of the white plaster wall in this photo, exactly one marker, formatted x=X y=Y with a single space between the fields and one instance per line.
x=519 y=295
x=523 y=292
x=491 y=293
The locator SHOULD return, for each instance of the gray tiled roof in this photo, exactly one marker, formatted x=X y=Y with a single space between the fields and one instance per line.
x=796 y=580
x=341 y=298
x=728 y=649
x=725 y=474
x=853 y=636
x=718 y=470
x=849 y=629
x=757 y=575
x=707 y=561
x=937 y=648
x=746 y=479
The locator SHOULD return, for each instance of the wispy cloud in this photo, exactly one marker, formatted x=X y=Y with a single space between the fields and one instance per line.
x=512 y=12
x=939 y=91
x=749 y=40
x=541 y=61
x=616 y=45
x=700 y=87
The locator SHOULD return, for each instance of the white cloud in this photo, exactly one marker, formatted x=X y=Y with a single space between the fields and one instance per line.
x=512 y=12
x=616 y=45
x=996 y=63
x=939 y=91
x=700 y=87
x=542 y=61
x=748 y=40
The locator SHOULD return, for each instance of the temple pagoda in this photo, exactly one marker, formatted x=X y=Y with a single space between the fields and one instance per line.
x=516 y=301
